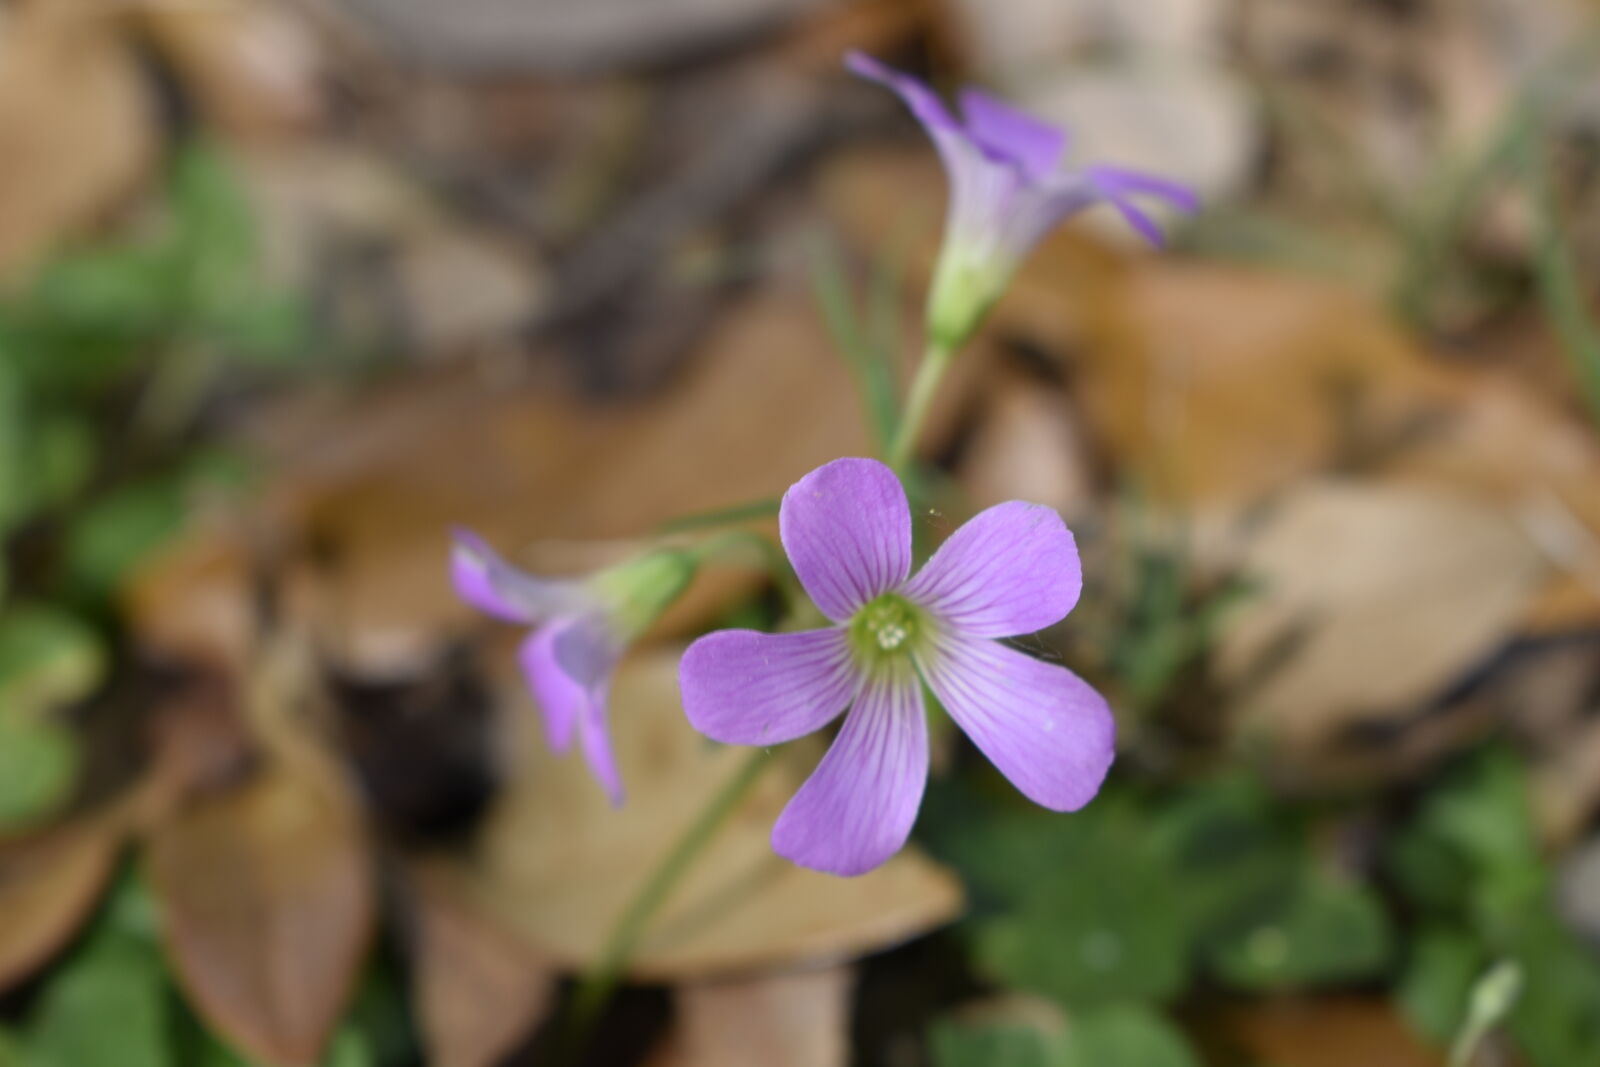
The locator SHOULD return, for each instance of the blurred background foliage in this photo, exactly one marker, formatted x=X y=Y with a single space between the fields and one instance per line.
x=290 y=289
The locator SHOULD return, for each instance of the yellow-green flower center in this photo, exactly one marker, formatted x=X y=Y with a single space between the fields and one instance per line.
x=887 y=626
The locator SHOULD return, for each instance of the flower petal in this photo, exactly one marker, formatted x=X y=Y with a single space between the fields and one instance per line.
x=568 y=665
x=742 y=687
x=955 y=145
x=1011 y=569
x=1120 y=186
x=495 y=587
x=856 y=809
x=1137 y=183
x=594 y=737
x=560 y=699
x=923 y=102
x=1012 y=134
x=847 y=529
x=1044 y=727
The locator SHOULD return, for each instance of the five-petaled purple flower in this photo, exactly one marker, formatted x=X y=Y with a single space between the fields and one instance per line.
x=581 y=628
x=1011 y=570
x=1007 y=191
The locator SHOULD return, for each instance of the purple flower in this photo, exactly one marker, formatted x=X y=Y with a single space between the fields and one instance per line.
x=1007 y=191
x=1012 y=569
x=581 y=627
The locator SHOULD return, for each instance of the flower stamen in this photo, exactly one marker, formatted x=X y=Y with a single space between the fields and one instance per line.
x=886 y=626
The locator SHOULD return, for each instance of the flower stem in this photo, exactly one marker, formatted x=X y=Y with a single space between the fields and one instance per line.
x=935 y=361
x=596 y=987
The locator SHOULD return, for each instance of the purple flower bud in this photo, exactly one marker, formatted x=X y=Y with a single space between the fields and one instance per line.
x=1007 y=191
x=580 y=629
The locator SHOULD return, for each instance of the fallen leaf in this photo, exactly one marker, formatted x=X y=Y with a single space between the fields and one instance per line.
x=1217 y=407
x=1370 y=601
x=192 y=600
x=376 y=485
x=49 y=886
x=251 y=65
x=267 y=906
x=478 y=988
x=76 y=128
x=1502 y=441
x=1328 y=1032
x=558 y=862
x=1026 y=445
x=783 y=1020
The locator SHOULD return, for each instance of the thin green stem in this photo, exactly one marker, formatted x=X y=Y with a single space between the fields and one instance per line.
x=935 y=361
x=1561 y=292
x=595 y=989
x=755 y=509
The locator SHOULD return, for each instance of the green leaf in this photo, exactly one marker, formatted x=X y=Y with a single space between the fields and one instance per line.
x=107 y=1006
x=1438 y=979
x=1098 y=916
x=989 y=1045
x=119 y=531
x=1556 y=1021
x=1005 y=848
x=10 y=1049
x=39 y=764
x=215 y=233
x=48 y=658
x=1470 y=852
x=1081 y=909
x=350 y=1048
x=1232 y=850
x=1124 y=1036
x=15 y=497
x=89 y=319
x=61 y=458
x=1328 y=931
x=112 y=293
x=266 y=329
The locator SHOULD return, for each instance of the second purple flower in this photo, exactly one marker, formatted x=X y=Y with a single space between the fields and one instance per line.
x=1011 y=570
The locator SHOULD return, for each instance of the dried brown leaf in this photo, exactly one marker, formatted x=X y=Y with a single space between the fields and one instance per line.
x=1370 y=600
x=378 y=485
x=49 y=886
x=251 y=65
x=478 y=988
x=1027 y=446
x=1223 y=384
x=783 y=1020
x=1502 y=441
x=556 y=860
x=76 y=130
x=267 y=906
x=1328 y=1032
